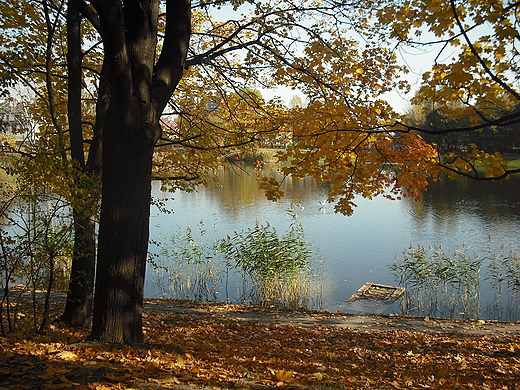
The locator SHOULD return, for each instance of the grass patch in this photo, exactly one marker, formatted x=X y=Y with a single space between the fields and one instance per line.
x=513 y=162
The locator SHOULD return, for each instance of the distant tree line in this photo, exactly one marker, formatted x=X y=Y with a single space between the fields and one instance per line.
x=439 y=122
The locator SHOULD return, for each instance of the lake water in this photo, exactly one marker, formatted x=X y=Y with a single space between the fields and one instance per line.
x=359 y=248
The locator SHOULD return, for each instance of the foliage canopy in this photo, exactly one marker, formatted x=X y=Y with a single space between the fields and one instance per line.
x=167 y=90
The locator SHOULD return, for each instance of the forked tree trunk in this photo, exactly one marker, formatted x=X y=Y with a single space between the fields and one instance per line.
x=140 y=88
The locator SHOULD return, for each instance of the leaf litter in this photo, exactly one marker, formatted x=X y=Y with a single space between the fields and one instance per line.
x=216 y=351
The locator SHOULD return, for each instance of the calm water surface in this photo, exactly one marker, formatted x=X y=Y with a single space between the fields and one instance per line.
x=359 y=248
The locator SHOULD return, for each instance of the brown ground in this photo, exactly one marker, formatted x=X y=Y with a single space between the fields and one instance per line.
x=197 y=346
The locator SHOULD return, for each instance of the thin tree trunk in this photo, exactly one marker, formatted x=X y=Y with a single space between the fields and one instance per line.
x=47 y=302
x=78 y=307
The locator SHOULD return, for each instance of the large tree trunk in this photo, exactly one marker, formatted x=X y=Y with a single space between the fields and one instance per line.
x=123 y=237
x=139 y=91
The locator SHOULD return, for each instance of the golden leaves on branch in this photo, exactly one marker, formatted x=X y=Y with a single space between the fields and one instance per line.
x=271 y=187
x=481 y=34
x=354 y=148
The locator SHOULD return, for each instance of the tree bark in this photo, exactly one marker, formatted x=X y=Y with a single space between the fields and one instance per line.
x=139 y=91
x=78 y=307
x=80 y=297
x=123 y=238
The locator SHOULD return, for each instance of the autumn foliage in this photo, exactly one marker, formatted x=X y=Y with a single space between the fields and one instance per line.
x=205 y=347
x=166 y=91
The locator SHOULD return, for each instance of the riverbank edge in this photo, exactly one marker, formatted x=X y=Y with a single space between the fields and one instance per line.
x=352 y=322
x=309 y=318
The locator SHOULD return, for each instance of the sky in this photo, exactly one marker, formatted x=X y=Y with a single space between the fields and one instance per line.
x=418 y=61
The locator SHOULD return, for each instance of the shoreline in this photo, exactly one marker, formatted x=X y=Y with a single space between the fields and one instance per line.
x=309 y=318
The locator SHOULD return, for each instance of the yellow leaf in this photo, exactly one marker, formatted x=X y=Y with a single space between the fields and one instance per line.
x=67 y=355
x=181 y=363
x=285 y=376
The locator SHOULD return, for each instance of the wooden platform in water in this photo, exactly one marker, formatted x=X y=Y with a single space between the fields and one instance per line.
x=377 y=292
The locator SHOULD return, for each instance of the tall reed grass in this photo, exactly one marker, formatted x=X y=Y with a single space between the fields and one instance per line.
x=279 y=271
x=187 y=266
x=267 y=269
x=504 y=278
x=449 y=286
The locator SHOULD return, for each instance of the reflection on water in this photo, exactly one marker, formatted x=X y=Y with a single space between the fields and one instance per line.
x=467 y=210
x=356 y=249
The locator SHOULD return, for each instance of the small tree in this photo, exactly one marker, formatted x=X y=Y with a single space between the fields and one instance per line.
x=36 y=251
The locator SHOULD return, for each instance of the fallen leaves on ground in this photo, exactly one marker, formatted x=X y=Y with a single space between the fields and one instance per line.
x=217 y=351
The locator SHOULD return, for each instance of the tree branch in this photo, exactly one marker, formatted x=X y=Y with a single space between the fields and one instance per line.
x=172 y=61
x=506 y=120
x=477 y=55
x=217 y=49
x=51 y=30
x=185 y=178
x=112 y=30
x=91 y=16
x=477 y=177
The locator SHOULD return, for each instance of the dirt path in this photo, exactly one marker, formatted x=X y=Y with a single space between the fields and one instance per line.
x=362 y=323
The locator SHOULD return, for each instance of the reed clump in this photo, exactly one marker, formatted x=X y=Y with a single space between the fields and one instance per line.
x=265 y=267
x=187 y=266
x=450 y=286
x=275 y=270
